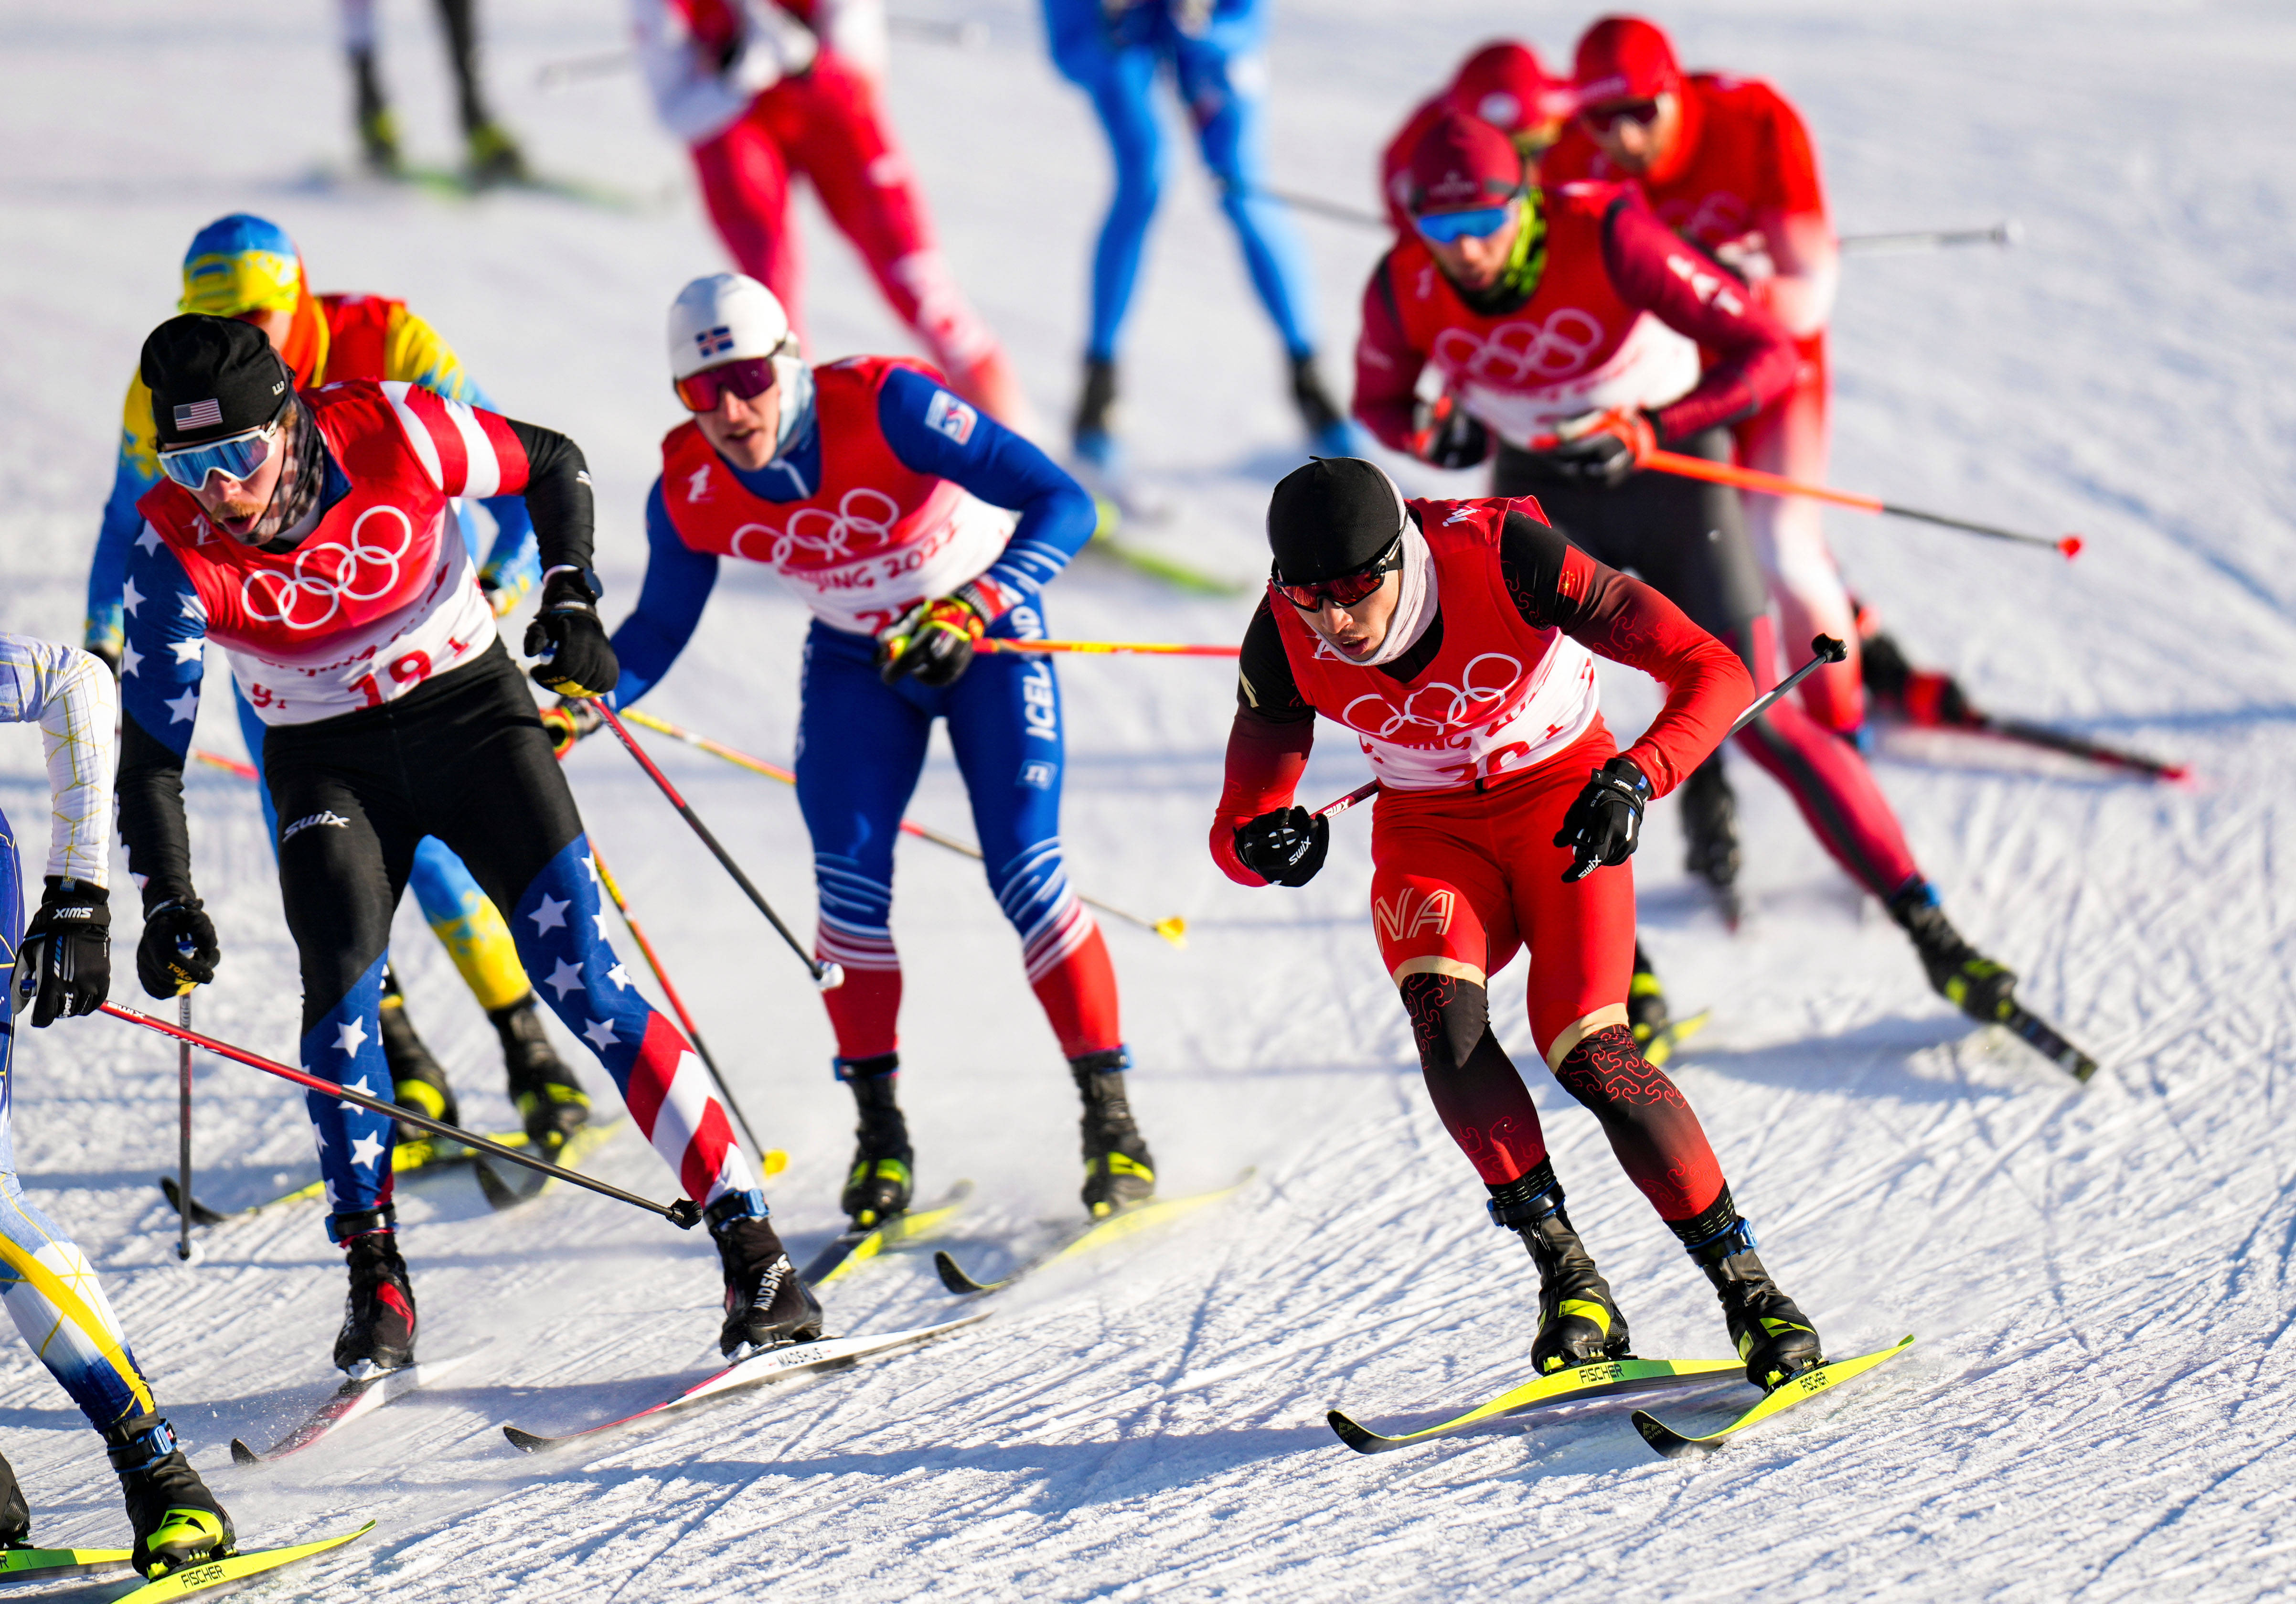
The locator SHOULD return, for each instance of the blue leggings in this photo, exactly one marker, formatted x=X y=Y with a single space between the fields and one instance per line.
x=47 y=1283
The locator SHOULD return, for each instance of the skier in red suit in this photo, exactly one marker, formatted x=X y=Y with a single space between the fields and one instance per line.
x=1454 y=641
x=1503 y=83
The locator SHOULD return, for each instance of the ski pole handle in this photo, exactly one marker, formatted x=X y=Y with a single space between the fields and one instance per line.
x=1828 y=650
x=684 y=1213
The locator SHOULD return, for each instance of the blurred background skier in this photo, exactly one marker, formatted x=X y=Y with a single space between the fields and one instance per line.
x=490 y=155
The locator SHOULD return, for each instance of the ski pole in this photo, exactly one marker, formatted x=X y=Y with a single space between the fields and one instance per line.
x=2004 y=233
x=230 y=765
x=828 y=975
x=968 y=35
x=184 y=1134
x=1362 y=793
x=676 y=1002
x=684 y=1213
x=1173 y=929
x=1142 y=648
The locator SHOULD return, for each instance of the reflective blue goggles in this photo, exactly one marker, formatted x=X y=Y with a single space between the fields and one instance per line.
x=235 y=456
x=1445 y=228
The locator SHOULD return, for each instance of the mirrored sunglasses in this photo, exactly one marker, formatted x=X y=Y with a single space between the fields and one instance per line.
x=235 y=456
x=1341 y=590
x=1446 y=227
x=749 y=378
x=1604 y=118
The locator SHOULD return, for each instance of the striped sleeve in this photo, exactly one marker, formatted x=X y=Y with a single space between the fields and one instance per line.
x=463 y=451
x=69 y=695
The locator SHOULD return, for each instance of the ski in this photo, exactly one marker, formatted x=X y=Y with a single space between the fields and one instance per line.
x=355 y=1398
x=1670 y=1444
x=1665 y=1043
x=779 y=1362
x=848 y=1250
x=1562 y=1387
x=217 y=1572
x=1085 y=1237
x=1108 y=540
x=2042 y=1038
x=524 y=1185
x=29 y=1561
x=451 y=183
x=2076 y=746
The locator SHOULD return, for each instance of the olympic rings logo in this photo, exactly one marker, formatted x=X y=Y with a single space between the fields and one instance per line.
x=817 y=537
x=1517 y=352
x=1430 y=714
x=326 y=576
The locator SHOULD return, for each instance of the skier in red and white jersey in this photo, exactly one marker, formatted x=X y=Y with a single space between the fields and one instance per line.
x=1503 y=83
x=310 y=536
x=1453 y=640
x=765 y=93
x=1567 y=323
x=1727 y=164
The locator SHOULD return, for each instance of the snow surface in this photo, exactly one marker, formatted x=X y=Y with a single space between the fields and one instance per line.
x=2100 y=1405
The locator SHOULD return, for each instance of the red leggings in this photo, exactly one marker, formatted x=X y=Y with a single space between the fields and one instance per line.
x=1462 y=879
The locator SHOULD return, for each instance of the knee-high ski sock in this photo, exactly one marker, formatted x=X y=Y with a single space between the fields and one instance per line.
x=1477 y=1092
x=1078 y=997
x=866 y=1011
x=1658 y=1139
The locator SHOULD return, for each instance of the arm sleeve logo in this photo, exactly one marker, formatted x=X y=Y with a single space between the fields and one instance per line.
x=951 y=416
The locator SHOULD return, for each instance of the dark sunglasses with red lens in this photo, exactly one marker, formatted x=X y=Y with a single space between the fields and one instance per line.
x=1604 y=118
x=1341 y=590
x=750 y=378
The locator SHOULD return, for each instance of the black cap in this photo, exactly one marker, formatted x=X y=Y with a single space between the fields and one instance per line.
x=210 y=377
x=1331 y=516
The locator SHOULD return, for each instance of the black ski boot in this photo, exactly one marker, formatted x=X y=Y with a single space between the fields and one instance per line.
x=882 y=1180
x=378 y=1330
x=15 y=1514
x=378 y=130
x=176 y=1521
x=548 y=1097
x=1710 y=830
x=1094 y=431
x=1647 y=1015
x=418 y=1081
x=1958 y=973
x=1579 y=1322
x=766 y=1303
x=1773 y=1335
x=1118 y=1172
x=1327 y=424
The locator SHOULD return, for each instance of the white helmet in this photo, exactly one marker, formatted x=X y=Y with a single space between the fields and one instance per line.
x=726 y=317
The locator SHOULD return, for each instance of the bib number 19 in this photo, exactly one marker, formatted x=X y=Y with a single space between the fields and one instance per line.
x=405 y=672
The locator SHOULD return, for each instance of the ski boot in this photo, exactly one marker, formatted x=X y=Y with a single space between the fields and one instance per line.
x=15 y=1514
x=176 y=1521
x=1958 y=973
x=378 y=130
x=1773 y=1335
x=494 y=157
x=548 y=1097
x=1647 y=1015
x=1094 y=431
x=766 y=1303
x=378 y=1332
x=417 y=1079
x=1118 y=1172
x=1579 y=1322
x=1709 y=828
x=1330 y=434
x=879 y=1186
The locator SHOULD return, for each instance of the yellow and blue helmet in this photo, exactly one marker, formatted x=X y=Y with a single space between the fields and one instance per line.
x=241 y=264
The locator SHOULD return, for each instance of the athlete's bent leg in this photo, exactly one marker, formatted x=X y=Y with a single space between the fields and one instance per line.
x=1222 y=92
x=746 y=184
x=1788 y=438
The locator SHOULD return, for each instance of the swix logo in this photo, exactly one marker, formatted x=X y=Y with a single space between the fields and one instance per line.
x=697 y=484
x=327 y=816
x=323 y=577
x=1522 y=353
x=1414 y=912
x=1438 y=713
x=817 y=537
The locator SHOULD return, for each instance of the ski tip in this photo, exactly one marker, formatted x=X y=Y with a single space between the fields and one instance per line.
x=241 y=1455
x=955 y=1279
x=1664 y=1441
x=525 y=1442
x=1356 y=1434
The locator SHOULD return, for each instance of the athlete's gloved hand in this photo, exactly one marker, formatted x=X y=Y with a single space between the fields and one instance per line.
x=1604 y=449
x=933 y=641
x=1449 y=435
x=774 y=44
x=66 y=958
x=506 y=583
x=1606 y=822
x=178 y=950
x=577 y=660
x=1285 y=848
x=569 y=721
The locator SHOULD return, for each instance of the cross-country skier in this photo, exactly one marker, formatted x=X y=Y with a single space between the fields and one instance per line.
x=62 y=966
x=1726 y=163
x=765 y=93
x=1503 y=83
x=1114 y=50
x=1566 y=324
x=880 y=497
x=491 y=155
x=308 y=534
x=246 y=267
x=1453 y=640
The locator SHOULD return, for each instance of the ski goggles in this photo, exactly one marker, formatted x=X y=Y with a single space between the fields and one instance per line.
x=1604 y=118
x=1342 y=589
x=235 y=456
x=1446 y=228
x=749 y=378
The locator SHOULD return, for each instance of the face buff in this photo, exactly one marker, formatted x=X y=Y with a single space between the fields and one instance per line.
x=302 y=475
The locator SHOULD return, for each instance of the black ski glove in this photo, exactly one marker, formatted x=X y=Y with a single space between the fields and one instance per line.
x=1608 y=454
x=933 y=641
x=1606 y=822
x=1285 y=848
x=178 y=950
x=577 y=660
x=66 y=957
x=1449 y=436
x=569 y=721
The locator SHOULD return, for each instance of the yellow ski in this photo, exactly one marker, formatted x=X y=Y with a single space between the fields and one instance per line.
x=1799 y=1389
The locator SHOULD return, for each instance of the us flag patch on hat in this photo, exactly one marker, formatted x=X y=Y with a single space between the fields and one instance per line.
x=199 y=414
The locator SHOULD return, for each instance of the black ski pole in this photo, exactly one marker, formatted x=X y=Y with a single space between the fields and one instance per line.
x=184 y=1132
x=2003 y=233
x=828 y=976
x=684 y=1213
x=1828 y=650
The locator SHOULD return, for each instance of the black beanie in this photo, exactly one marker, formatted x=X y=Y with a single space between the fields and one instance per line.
x=210 y=377
x=1331 y=516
